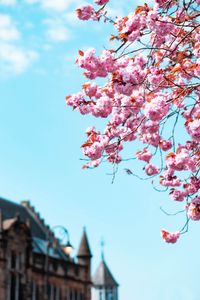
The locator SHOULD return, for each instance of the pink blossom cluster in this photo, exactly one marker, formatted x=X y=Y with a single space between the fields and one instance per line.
x=181 y=160
x=101 y=2
x=150 y=95
x=96 y=66
x=155 y=76
x=151 y=170
x=193 y=128
x=188 y=189
x=86 y=13
x=157 y=108
x=131 y=26
x=193 y=209
x=144 y=155
x=170 y=237
x=165 y=144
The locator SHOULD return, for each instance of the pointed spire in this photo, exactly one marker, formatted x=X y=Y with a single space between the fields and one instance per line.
x=102 y=249
x=103 y=277
x=84 y=248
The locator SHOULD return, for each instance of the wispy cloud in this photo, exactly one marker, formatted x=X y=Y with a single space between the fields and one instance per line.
x=59 y=15
x=55 y=5
x=58 y=34
x=8 y=2
x=58 y=5
x=57 y=23
x=56 y=30
x=15 y=60
x=8 y=30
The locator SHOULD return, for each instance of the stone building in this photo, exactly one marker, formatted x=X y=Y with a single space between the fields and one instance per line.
x=33 y=264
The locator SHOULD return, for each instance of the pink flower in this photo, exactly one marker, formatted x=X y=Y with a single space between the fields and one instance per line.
x=103 y=107
x=96 y=66
x=75 y=100
x=85 y=12
x=145 y=155
x=156 y=76
x=95 y=163
x=181 y=160
x=165 y=144
x=114 y=158
x=101 y=2
x=167 y=179
x=177 y=195
x=193 y=209
x=170 y=237
x=193 y=129
x=150 y=138
x=157 y=108
x=151 y=170
x=90 y=89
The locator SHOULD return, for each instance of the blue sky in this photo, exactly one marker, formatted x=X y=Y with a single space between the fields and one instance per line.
x=40 y=155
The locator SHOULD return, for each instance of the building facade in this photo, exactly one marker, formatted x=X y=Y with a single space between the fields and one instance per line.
x=33 y=264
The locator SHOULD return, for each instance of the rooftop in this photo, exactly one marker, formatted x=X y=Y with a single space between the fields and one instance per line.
x=26 y=213
x=103 y=276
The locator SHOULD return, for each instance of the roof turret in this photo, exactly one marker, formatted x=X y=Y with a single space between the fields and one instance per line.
x=84 y=248
x=103 y=276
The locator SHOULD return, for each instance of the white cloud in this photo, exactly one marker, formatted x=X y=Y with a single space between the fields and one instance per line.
x=56 y=30
x=32 y=1
x=8 y=30
x=55 y=5
x=8 y=2
x=71 y=18
x=58 y=34
x=115 y=12
x=15 y=60
x=58 y=5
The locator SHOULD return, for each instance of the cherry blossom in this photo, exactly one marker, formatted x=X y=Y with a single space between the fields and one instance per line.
x=193 y=209
x=101 y=2
x=85 y=13
x=144 y=155
x=170 y=237
x=151 y=170
x=149 y=96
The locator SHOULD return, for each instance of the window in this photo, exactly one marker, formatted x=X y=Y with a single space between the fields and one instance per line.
x=15 y=289
x=66 y=294
x=75 y=295
x=33 y=288
x=100 y=295
x=71 y=295
x=52 y=292
x=13 y=260
x=35 y=291
x=55 y=293
x=12 y=286
x=110 y=295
